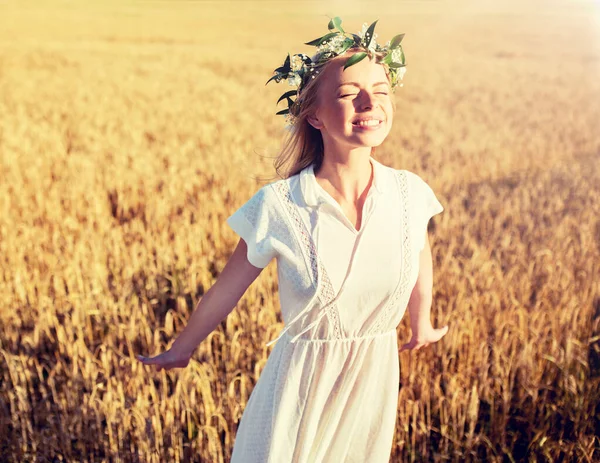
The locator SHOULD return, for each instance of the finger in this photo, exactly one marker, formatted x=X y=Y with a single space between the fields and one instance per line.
x=442 y=332
x=410 y=345
x=147 y=360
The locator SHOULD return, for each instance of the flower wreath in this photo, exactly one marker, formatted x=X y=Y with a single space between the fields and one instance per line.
x=298 y=69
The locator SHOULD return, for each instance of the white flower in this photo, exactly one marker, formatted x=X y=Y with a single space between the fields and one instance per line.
x=363 y=31
x=296 y=63
x=397 y=55
x=373 y=44
x=295 y=80
x=335 y=44
x=401 y=72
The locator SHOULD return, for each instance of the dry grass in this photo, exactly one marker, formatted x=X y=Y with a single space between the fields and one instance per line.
x=130 y=131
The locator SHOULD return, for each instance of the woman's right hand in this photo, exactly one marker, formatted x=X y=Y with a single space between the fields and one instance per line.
x=167 y=360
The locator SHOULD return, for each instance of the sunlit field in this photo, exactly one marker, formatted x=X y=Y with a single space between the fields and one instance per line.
x=129 y=132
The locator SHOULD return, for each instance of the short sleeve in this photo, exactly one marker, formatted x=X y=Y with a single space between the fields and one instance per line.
x=253 y=222
x=424 y=205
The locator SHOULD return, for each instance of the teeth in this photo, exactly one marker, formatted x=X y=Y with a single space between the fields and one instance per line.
x=371 y=122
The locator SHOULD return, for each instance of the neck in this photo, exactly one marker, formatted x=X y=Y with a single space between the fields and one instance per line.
x=347 y=175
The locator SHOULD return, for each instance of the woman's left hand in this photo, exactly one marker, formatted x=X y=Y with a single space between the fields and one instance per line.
x=427 y=336
x=172 y=358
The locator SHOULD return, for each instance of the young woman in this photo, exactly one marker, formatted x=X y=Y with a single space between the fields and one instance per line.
x=350 y=238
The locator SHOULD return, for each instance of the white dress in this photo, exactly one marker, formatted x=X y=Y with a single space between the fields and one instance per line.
x=329 y=389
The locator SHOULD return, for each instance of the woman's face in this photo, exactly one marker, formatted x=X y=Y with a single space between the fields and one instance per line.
x=345 y=97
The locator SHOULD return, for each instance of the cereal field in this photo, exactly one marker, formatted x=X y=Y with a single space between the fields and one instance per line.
x=129 y=131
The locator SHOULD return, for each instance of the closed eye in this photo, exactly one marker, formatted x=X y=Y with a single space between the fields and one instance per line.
x=352 y=94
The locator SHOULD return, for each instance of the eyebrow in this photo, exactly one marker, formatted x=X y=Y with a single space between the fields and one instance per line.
x=356 y=84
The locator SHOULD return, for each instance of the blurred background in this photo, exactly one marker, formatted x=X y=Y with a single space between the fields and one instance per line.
x=129 y=132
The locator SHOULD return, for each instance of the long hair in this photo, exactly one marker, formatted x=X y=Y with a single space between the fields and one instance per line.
x=303 y=145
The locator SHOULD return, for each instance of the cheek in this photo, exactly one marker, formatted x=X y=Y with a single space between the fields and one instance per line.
x=339 y=111
x=345 y=108
x=389 y=107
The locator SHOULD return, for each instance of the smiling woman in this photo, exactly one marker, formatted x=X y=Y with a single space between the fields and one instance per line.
x=329 y=389
x=353 y=107
x=348 y=236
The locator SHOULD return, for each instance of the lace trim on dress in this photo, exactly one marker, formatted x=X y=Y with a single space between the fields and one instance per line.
x=384 y=314
x=327 y=292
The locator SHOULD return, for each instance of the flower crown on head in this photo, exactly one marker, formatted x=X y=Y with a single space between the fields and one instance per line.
x=298 y=69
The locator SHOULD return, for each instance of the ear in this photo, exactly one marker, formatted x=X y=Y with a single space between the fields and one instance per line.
x=314 y=120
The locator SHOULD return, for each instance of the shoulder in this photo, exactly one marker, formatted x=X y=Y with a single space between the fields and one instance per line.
x=415 y=181
x=406 y=179
x=271 y=190
x=262 y=202
x=281 y=190
x=409 y=175
x=269 y=196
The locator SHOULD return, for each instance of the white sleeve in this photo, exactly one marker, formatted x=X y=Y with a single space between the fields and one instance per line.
x=425 y=205
x=253 y=222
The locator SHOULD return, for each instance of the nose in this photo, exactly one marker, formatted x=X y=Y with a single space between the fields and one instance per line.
x=367 y=101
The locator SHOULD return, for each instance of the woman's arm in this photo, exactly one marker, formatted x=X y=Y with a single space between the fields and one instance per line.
x=213 y=307
x=419 y=304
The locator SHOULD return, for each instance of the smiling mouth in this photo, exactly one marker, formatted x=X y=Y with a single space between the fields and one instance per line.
x=369 y=123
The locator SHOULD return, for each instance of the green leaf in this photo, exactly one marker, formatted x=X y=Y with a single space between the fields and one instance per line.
x=396 y=40
x=347 y=44
x=369 y=32
x=387 y=59
x=314 y=42
x=396 y=65
x=355 y=59
x=273 y=77
x=286 y=65
x=337 y=23
x=357 y=39
x=286 y=95
x=283 y=111
x=326 y=37
x=331 y=26
x=320 y=40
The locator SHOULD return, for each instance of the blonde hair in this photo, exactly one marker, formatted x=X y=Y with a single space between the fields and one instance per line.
x=304 y=144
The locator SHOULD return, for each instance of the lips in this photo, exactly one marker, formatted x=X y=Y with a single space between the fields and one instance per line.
x=368 y=122
x=363 y=121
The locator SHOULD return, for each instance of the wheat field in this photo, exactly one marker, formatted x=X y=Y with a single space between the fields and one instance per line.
x=129 y=131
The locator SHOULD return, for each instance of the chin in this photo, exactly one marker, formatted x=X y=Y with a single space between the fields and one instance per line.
x=370 y=140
